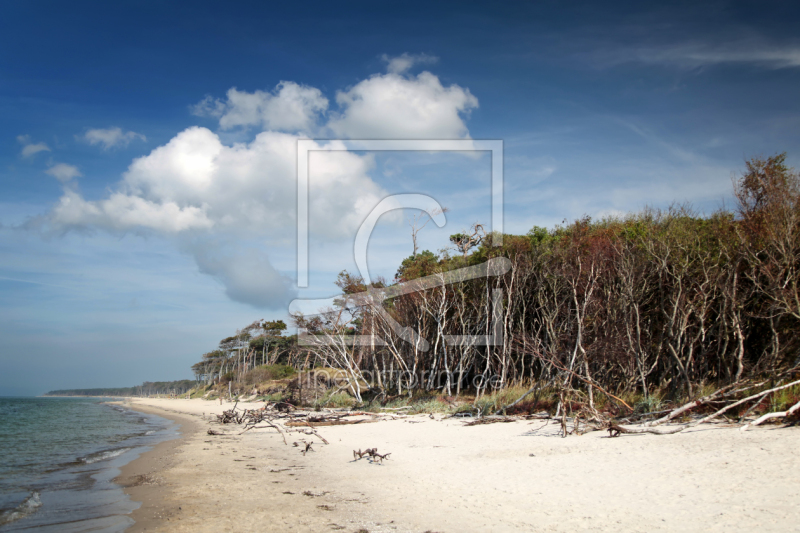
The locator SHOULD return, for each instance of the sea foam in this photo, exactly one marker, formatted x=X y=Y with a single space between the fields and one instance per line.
x=26 y=508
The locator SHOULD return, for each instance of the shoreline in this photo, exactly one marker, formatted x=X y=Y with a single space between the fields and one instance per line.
x=198 y=482
x=140 y=478
x=63 y=457
x=444 y=476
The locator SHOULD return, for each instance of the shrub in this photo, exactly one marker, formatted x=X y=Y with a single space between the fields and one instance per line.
x=267 y=373
x=651 y=404
x=341 y=399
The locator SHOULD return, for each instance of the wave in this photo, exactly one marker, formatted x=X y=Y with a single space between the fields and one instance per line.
x=26 y=508
x=102 y=456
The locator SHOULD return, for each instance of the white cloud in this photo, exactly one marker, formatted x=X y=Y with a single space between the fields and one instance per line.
x=201 y=192
x=195 y=185
x=247 y=274
x=385 y=106
x=694 y=55
x=393 y=106
x=29 y=148
x=290 y=107
x=123 y=212
x=402 y=63
x=63 y=172
x=111 y=137
x=248 y=187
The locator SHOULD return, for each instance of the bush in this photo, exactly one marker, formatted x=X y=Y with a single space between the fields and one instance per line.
x=651 y=404
x=268 y=373
x=341 y=399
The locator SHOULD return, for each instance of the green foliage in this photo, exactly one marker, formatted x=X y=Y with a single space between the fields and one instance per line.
x=274 y=397
x=258 y=343
x=651 y=404
x=540 y=237
x=274 y=327
x=784 y=399
x=423 y=264
x=263 y=373
x=338 y=400
x=278 y=371
x=350 y=283
x=629 y=303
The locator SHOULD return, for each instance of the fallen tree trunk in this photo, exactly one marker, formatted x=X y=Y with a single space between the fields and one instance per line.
x=328 y=423
x=778 y=414
x=687 y=407
x=645 y=428
x=614 y=430
x=269 y=424
x=758 y=396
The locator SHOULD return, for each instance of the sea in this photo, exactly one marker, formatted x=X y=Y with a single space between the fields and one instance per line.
x=59 y=457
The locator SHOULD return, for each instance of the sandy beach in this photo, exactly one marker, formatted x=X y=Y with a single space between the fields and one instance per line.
x=444 y=476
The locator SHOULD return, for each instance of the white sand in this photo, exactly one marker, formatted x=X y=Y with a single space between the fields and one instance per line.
x=443 y=476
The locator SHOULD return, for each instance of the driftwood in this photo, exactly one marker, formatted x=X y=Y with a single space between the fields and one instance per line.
x=269 y=424
x=306 y=447
x=282 y=417
x=359 y=454
x=757 y=397
x=688 y=407
x=512 y=404
x=329 y=423
x=314 y=431
x=615 y=429
x=778 y=414
x=372 y=453
x=490 y=420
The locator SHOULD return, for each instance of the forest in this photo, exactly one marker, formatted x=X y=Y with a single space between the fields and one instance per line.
x=146 y=389
x=659 y=301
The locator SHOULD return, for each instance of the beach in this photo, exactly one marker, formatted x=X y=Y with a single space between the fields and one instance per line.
x=447 y=477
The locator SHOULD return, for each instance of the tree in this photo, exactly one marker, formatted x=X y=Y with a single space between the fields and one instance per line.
x=419 y=221
x=417 y=266
x=467 y=240
x=769 y=206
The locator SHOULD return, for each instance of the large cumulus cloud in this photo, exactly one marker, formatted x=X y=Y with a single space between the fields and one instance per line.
x=400 y=106
x=215 y=199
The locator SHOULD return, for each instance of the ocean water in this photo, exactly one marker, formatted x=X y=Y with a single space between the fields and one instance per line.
x=58 y=457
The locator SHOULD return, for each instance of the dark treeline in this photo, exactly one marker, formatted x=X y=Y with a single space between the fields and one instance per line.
x=661 y=300
x=148 y=388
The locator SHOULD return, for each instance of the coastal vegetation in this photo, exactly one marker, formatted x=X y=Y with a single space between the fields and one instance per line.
x=652 y=307
x=146 y=389
x=624 y=315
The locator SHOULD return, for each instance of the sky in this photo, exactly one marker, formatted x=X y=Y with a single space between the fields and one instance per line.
x=148 y=150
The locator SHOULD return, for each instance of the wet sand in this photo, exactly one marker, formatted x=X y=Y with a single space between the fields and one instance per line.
x=143 y=478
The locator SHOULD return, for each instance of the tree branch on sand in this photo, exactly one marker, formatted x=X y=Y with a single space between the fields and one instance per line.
x=616 y=429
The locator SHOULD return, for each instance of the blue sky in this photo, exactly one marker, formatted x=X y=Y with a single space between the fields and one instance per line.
x=146 y=148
